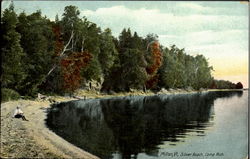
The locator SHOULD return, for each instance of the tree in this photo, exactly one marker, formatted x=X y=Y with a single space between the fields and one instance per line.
x=239 y=85
x=189 y=71
x=11 y=51
x=61 y=55
x=71 y=69
x=93 y=71
x=70 y=23
x=56 y=19
x=108 y=52
x=65 y=32
x=155 y=63
x=92 y=44
x=223 y=84
x=180 y=70
x=136 y=42
x=155 y=58
x=70 y=34
x=37 y=41
x=125 y=40
x=148 y=39
x=167 y=70
x=133 y=69
x=202 y=73
x=172 y=70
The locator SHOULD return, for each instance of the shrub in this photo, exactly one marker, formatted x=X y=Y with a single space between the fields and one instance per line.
x=8 y=94
x=239 y=85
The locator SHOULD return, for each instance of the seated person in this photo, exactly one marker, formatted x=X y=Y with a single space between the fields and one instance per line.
x=19 y=114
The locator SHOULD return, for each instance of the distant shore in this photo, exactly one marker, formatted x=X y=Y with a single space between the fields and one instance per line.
x=32 y=139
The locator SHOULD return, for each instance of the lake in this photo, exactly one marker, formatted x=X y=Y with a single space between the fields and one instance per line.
x=195 y=125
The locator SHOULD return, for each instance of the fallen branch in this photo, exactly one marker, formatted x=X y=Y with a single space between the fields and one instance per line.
x=61 y=55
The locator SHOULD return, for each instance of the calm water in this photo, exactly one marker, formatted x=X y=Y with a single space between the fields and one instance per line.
x=198 y=125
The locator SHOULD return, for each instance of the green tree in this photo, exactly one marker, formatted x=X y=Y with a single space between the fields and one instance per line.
x=125 y=40
x=136 y=42
x=93 y=71
x=108 y=52
x=167 y=70
x=92 y=44
x=11 y=52
x=172 y=70
x=189 y=67
x=133 y=68
x=202 y=73
x=180 y=70
x=37 y=41
x=70 y=23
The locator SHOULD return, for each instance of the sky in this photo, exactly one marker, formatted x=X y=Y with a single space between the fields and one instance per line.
x=216 y=29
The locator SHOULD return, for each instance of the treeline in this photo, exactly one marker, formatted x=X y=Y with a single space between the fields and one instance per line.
x=40 y=55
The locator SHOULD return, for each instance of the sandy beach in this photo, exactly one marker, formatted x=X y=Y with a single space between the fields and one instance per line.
x=32 y=139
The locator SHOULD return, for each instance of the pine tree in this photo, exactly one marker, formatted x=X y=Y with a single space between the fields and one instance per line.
x=37 y=41
x=133 y=69
x=92 y=44
x=11 y=52
x=108 y=52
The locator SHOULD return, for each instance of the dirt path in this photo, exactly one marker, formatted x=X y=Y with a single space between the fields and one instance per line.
x=32 y=139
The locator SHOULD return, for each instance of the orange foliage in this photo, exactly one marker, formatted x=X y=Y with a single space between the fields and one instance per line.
x=71 y=66
x=152 y=81
x=59 y=41
x=71 y=69
x=213 y=85
x=157 y=58
x=157 y=61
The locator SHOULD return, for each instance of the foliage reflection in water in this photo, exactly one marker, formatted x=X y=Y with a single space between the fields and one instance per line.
x=128 y=126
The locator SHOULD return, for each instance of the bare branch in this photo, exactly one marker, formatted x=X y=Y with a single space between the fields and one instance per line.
x=72 y=44
x=60 y=57
x=51 y=70
x=66 y=46
x=150 y=44
x=75 y=41
x=67 y=50
x=83 y=39
x=61 y=54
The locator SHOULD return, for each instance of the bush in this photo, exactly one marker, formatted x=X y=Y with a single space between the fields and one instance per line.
x=239 y=85
x=9 y=94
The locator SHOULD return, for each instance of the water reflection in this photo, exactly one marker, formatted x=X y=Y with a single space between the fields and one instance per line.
x=128 y=126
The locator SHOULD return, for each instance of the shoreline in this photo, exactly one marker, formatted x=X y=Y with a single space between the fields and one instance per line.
x=95 y=94
x=32 y=139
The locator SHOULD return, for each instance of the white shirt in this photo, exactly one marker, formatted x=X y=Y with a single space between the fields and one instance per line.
x=18 y=111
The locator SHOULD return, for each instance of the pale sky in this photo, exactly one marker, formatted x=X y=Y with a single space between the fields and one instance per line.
x=218 y=30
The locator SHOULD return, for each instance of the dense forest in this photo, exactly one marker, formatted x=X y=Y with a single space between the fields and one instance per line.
x=60 y=56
